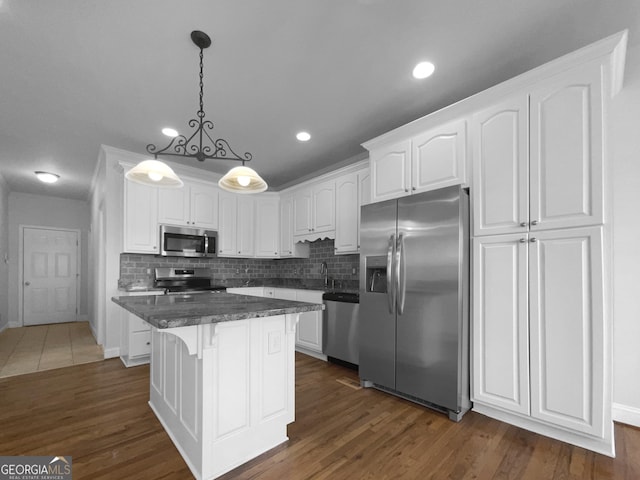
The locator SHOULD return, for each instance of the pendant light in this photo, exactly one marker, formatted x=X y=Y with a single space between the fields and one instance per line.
x=241 y=179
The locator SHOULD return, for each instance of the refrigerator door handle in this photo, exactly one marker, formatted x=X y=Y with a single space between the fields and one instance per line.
x=391 y=288
x=400 y=274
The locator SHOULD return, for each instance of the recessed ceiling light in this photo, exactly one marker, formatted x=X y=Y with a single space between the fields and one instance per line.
x=423 y=70
x=47 y=177
x=303 y=136
x=170 y=132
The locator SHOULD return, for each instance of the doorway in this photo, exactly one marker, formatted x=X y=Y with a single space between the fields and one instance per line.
x=50 y=266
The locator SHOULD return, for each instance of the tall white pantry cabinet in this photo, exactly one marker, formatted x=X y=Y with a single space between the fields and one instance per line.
x=541 y=330
x=533 y=151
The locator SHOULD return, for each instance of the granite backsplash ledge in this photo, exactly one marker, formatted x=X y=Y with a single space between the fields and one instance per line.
x=232 y=272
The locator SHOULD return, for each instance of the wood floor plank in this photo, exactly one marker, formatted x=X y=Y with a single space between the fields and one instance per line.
x=98 y=414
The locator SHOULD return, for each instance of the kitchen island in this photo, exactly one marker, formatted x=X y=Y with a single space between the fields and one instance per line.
x=222 y=373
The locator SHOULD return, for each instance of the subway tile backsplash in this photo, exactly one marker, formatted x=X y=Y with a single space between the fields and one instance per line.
x=137 y=268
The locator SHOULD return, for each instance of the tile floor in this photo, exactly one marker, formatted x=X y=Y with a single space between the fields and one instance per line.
x=44 y=347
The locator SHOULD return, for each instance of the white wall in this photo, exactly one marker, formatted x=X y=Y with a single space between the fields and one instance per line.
x=625 y=146
x=4 y=252
x=44 y=211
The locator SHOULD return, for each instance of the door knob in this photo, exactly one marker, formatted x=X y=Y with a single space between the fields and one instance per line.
x=27 y=283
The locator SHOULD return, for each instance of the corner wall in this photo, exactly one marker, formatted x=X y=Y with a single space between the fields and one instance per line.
x=4 y=253
x=625 y=147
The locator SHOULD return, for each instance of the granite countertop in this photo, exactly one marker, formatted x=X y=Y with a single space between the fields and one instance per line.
x=169 y=311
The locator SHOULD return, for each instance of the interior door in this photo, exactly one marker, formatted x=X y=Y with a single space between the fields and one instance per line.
x=50 y=270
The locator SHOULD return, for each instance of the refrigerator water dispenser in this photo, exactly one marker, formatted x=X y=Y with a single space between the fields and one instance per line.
x=376 y=274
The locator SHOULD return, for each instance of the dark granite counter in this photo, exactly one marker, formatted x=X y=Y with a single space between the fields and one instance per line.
x=169 y=311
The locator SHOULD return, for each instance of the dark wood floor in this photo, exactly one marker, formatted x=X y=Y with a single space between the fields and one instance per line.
x=98 y=414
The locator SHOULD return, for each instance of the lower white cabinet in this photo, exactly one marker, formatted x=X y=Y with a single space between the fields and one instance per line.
x=540 y=336
x=135 y=336
x=309 y=329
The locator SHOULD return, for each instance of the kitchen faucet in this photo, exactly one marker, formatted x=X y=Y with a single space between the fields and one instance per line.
x=324 y=270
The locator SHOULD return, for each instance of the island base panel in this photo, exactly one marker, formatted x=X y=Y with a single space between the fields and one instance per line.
x=232 y=399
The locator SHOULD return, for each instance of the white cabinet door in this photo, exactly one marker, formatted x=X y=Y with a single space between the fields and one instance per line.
x=302 y=212
x=309 y=331
x=141 y=232
x=173 y=205
x=500 y=322
x=438 y=157
x=267 y=227
x=347 y=214
x=324 y=207
x=245 y=238
x=286 y=226
x=364 y=178
x=391 y=171
x=568 y=329
x=567 y=150
x=501 y=168
x=204 y=205
x=285 y=294
x=227 y=232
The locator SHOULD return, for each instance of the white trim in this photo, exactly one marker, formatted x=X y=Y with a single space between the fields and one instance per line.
x=626 y=414
x=21 y=227
x=311 y=353
x=111 y=352
x=332 y=175
x=3 y=328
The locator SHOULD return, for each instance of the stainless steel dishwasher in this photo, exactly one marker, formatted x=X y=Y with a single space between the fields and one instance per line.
x=340 y=324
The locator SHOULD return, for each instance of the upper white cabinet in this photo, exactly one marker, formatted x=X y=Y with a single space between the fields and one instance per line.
x=566 y=168
x=289 y=248
x=561 y=183
x=141 y=234
x=538 y=331
x=195 y=204
x=267 y=232
x=314 y=214
x=429 y=160
x=237 y=225
x=352 y=191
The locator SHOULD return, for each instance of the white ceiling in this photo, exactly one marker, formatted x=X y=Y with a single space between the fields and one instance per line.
x=75 y=74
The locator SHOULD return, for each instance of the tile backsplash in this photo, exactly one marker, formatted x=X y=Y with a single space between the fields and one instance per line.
x=344 y=269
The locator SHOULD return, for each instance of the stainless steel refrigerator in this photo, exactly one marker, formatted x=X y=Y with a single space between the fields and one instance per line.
x=414 y=298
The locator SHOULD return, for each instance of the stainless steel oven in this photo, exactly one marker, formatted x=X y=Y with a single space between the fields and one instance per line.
x=187 y=242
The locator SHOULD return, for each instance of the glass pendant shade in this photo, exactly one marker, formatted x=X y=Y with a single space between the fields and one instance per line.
x=155 y=173
x=242 y=180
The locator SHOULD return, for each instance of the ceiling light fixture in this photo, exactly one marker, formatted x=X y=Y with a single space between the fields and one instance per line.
x=423 y=70
x=239 y=179
x=303 y=136
x=170 y=132
x=47 y=177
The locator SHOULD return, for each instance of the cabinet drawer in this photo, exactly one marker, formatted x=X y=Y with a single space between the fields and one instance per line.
x=136 y=324
x=140 y=344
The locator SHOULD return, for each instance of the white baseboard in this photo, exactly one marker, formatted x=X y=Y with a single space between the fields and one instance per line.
x=112 y=352
x=4 y=327
x=626 y=414
x=82 y=318
x=14 y=324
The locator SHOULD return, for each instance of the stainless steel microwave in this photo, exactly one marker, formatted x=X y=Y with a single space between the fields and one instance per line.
x=187 y=242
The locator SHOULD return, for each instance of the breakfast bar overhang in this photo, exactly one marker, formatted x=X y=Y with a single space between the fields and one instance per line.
x=222 y=373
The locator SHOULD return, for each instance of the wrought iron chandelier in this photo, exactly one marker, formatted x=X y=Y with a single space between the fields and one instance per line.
x=201 y=146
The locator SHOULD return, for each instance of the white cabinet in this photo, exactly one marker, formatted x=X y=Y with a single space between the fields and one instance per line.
x=251 y=291
x=432 y=159
x=267 y=227
x=539 y=337
x=309 y=331
x=314 y=214
x=141 y=232
x=285 y=294
x=289 y=248
x=135 y=336
x=237 y=230
x=195 y=204
x=561 y=184
x=352 y=191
